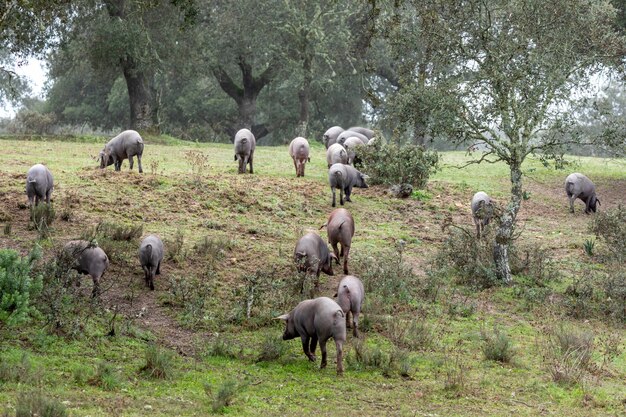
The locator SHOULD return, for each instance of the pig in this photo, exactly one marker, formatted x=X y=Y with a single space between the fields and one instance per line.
x=330 y=136
x=369 y=133
x=340 y=229
x=348 y=134
x=125 y=145
x=579 y=186
x=316 y=320
x=39 y=184
x=350 y=295
x=245 y=143
x=336 y=154
x=344 y=177
x=299 y=152
x=88 y=260
x=351 y=145
x=482 y=211
x=312 y=256
x=150 y=257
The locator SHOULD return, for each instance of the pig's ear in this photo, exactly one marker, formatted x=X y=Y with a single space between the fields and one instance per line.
x=284 y=317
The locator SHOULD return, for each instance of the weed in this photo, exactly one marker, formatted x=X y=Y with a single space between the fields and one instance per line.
x=154 y=166
x=567 y=354
x=497 y=346
x=421 y=195
x=456 y=372
x=175 y=250
x=42 y=216
x=119 y=232
x=589 y=246
x=199 y=163
x=191 y=295
x=610 y=227
x=212 y=249
x=21 y=372
x=159 y=362
x=105 y=377
x=7 y=228
x=34 y=403
x=82 y=374
x=462 y=308
x=224 y=396
x=414 y=334
x=272 y=348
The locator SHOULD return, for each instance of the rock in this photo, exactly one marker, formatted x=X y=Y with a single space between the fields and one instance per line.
x=401 y=190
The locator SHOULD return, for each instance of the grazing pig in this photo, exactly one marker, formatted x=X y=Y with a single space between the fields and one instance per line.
x=316 y=320
x=350 y=295
x=344 y=177
x=340 y=229
x=351 y=145
x=88 y=260
x=245 y=143
x=125 y=145
x=39 y=184
x=330 y=137
x=313 y=257
x=336 y=154
x=482 y=211
x=369 y=133
x=299 y=152
x=341 y=139
x=579 y=186
x=150 y=256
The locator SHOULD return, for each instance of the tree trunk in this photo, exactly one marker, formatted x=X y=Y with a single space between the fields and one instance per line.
x=143 y=109
x=304 y=96
x=506 y=225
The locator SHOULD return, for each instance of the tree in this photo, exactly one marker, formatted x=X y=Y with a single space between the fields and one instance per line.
x=516 y=64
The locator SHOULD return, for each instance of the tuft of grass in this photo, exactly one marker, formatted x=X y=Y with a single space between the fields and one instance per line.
x=119 y=232
x=42 y=216
x=567 y=354
x=589 y=245
x=159 y=362
x=271 y=348
x=224 y=397
x=7 y=228
x=175 y=251
x=497 y=346
x=31 y=404
x=105 y=377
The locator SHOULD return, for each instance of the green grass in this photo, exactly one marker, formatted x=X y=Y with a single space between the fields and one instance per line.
x=261 y=216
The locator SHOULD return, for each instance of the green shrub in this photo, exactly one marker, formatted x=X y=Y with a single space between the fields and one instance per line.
x=31 y=404
x=224 y=396
x=119 y=232
x=610 y=227
x=567 y=354
x=18 y=286
x=105 y=377
x=272 y=348
x=159 y=362
x=42 y=217
x=497 y=346
x=390 y=164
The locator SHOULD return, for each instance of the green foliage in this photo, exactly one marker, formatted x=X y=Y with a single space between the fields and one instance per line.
x=497 y=346
x=21 y=372
x=589 y=245
x=272 y=348
x=105 y=377
x=42 y=216
x=610 y=227
x=119 y=232
x=390 y=362
x=390 y=164
x=175 y=247
x=567 y=353
x=158 y=362
x=18 y=286
x=225 y=395
x=31 y=404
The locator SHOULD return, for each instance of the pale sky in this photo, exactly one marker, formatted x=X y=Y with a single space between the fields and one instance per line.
x=35 y=71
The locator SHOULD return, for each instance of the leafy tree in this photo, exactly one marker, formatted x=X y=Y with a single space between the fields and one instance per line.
x=516 y=64
x=17 y=286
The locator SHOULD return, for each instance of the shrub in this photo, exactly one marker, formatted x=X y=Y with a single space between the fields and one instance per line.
x=415 y=334
x=567 y=354
x=213 y=249
x=105 y=377
x=42 y=217
x=18 y=286
x=497 y=346
x=158 y=362
x=456 y=373
x=174 y=246
x=31 y=404
x=119 y=232
x=272 y=348
x=199 y=164
x=12 y=372
x=191 y=295
x=224 y=396
x=390 y=164
x=610 y=227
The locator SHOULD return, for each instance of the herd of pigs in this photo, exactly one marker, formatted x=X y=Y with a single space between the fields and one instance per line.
x=314 y=320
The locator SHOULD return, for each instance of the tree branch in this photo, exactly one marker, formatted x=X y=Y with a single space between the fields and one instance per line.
x=227 y=84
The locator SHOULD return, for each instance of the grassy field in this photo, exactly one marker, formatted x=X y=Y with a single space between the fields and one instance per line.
x=249 y=225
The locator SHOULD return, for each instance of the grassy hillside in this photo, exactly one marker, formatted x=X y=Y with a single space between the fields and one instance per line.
x=422 y=349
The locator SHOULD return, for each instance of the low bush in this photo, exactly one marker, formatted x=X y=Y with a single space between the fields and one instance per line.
x=567 y=354
x=19 y=286
x=390 y=164
x=610 y=228
x=159 y=362
x=42 y=216
x=224 y=396
x=30 y=404
x=105 y=377
x=497 y=346
x=272 y=348
x=119 y=232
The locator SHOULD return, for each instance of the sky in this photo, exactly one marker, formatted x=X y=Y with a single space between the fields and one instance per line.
x=35 y=71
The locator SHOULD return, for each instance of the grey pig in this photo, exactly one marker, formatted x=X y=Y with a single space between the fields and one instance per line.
x=482 y=211
x=299 y=152
x=88 y=260
x=579 y=186
x=311 y=255
x=39 y=184
x=150 y=256
x=125 y=145
x=330 y=136
x=369 y=133
x=344 y=177
x=340 y=229
x=351 y=145
x=348 y=134
x=245 y=143
x=336 y=154
x=350 y=295
x=316 y=320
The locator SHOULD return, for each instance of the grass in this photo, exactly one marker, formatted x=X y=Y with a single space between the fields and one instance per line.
x=252 y=223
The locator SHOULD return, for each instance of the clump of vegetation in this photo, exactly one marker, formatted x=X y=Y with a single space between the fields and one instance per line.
x=34 y=403
x=42 y=217
x=456 y=372
x=224 y=396
x=589 y=245
x=223 y=347
x=212 y=249
x=7 y=228
x=105 y=377
x=497 y=346
x=175 y=251
x=272 y=348
x=159 y=362
x=199 y=163
x=191 y=294
x=568 y=354
x=414 y=334
x=119 y=232
x=390 y=164
x=20 y=372
x=19 y=286
x=610 y=227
